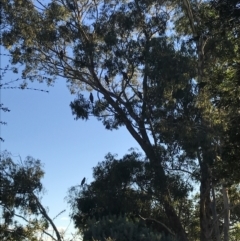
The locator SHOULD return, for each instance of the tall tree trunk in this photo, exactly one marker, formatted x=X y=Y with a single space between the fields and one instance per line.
x=215 y=218
x=160 y=178
x=205 y=202
x=205 y=185
x=205 y=218
x=226 y=213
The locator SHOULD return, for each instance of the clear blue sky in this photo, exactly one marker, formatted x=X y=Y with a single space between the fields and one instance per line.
x=42 y=125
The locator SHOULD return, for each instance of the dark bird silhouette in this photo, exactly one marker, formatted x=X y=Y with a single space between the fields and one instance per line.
x=140 y=95
x=125 y=76
x=202 y=85
x=70 y=6
x=91 y=98
x=61 y=55
x=106 y=80
x=83 y=181
x=195 y=38
x=29 y=50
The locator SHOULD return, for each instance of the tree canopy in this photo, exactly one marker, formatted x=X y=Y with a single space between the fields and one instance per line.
x=168 y=71
x=23 y=216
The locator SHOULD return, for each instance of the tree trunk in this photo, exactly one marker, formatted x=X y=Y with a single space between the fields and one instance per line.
x=215 y=219
x=205 y=202
x=160 y=177
x=205 y=220
x=226 y=213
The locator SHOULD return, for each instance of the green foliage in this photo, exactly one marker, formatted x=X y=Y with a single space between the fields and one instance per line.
x=20 y=184
x=80 y=107
x=120 y=228
x=123 y=188
x=111 y=193
x=23 y=217
x=186 y=117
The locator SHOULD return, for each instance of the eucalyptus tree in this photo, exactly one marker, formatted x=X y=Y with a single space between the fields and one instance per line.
x=83 y=41
x=168 y=88
x=122 y=197
x=216 y=148
x=23 y=217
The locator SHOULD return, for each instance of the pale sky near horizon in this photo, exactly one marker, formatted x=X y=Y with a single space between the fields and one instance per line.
x=41 y=125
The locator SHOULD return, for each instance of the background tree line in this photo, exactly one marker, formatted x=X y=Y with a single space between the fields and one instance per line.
x=168 y=71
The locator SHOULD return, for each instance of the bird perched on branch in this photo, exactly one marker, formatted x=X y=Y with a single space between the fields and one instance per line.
x=83 y=181
x=91 y=98
x=106 y=80
x=61 y=55
x=202 y=85
x=125 y=76
x=140 y=95
x=194 y=38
